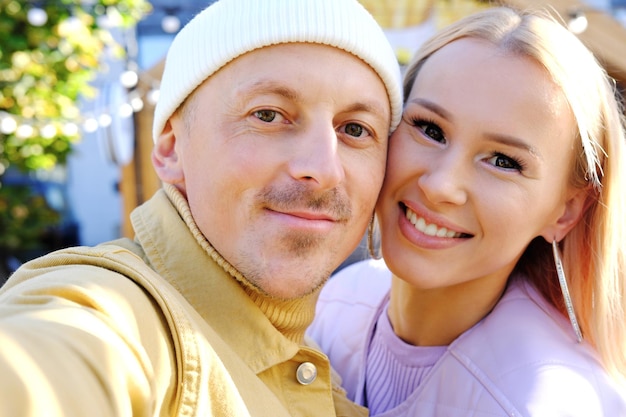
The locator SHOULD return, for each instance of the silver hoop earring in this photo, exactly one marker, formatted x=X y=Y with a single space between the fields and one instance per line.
x=374 y=253
x=568 y=300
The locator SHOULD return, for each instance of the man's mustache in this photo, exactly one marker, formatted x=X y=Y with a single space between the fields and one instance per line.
x=298 y=197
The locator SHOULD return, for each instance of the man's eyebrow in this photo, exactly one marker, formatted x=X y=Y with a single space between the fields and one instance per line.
x=271 y=87
x=369 y=107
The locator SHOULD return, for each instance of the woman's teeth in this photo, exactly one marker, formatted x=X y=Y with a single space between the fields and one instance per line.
x=429 y=229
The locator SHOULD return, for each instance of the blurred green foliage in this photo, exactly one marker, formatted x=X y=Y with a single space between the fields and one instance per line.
x=45 y=69
x=23 y=218
x=46 y=66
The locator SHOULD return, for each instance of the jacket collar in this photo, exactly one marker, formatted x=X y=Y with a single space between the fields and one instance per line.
x=247 y=320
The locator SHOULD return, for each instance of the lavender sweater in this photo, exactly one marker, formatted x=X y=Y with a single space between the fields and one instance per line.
x=520 y=360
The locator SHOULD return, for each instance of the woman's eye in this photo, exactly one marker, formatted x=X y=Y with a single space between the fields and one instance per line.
x=430 y=129
x=504 y=162
x=267 y=116
x=355 y=129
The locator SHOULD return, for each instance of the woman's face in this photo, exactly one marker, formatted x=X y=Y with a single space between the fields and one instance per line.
x=478 y=168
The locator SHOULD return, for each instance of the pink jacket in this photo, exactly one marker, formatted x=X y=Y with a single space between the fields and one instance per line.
x=520 y=360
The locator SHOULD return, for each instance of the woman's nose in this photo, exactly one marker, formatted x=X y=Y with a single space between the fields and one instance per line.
x=443 y=179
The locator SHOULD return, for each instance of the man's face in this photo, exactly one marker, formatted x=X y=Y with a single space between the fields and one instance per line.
x=281 y=155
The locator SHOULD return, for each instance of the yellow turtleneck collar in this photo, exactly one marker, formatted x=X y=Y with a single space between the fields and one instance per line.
x=205 y=282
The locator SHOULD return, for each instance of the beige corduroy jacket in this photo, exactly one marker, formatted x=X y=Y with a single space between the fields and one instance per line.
x=155 y=327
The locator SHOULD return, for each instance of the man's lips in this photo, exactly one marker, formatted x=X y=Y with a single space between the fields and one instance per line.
x=311 y=215
x=306 y=215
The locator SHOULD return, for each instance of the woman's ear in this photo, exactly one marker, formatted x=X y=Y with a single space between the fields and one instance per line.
x=574 y=208
x=165 y=157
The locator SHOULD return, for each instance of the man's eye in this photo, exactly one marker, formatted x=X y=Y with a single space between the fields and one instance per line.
x=356 y=130
x=267 y=116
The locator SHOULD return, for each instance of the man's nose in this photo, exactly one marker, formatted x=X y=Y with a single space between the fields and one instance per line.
x=316 y=157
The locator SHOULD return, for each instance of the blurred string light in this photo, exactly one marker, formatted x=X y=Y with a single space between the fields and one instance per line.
x=37 y=16
x=577 y=21
x=170 y=22
x=141 y=88
x=577 y=18
x=144 y=91
x=108 y=14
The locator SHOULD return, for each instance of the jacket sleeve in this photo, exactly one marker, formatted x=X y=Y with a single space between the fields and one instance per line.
x=81 y=340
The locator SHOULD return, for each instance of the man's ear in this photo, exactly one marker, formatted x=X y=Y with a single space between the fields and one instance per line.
x=574 y=209
x=165 y=157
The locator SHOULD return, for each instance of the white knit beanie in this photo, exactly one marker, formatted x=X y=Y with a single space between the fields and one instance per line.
x=230 y=28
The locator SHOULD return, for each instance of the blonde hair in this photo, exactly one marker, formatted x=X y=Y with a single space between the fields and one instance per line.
x=593 y=252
